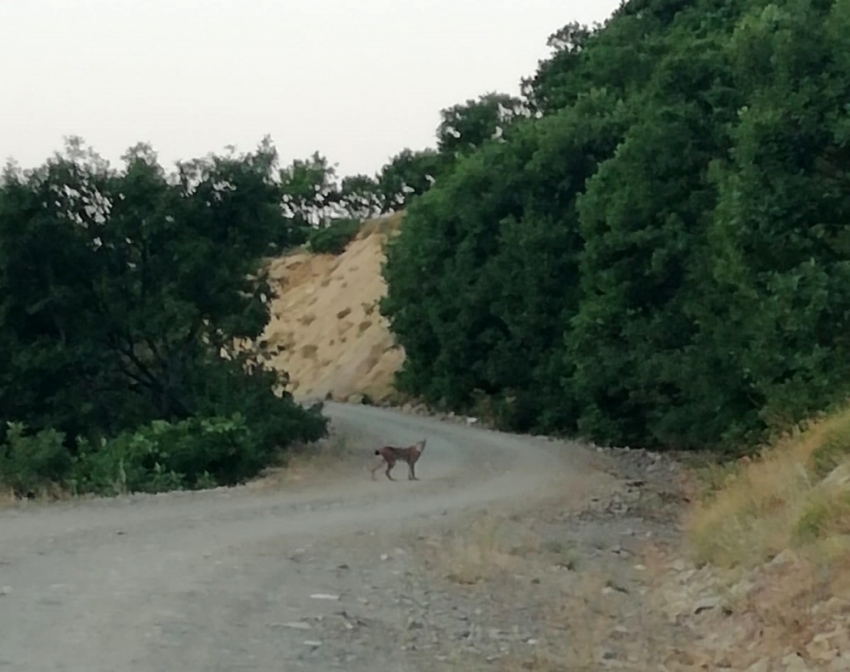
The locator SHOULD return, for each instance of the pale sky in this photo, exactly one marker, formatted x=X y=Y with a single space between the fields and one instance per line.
x=357 y=80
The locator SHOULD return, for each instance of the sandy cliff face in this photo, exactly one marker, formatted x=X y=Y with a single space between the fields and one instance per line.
x=327 y=316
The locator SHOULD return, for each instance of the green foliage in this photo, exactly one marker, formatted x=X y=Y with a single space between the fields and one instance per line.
x=815 y=520
x=484 y=252
x=833 y=450
x=661 y=259
x=408 y=175
x=124 y=293
x=780 y=226
x=30 y=464
x=333 y=238
x=311 y=193
x=464 y=128
x=193 y=453
x=360 y=196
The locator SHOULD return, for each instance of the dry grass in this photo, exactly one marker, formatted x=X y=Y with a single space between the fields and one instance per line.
x=479 y=554
x=579 y=621
x=589 y=621
x=777 y=528
x=486 y=547
x=7 y=497
x=43 y=495
x=586 y=616
x=795 y=495
x=780 y=523
x=326 y=458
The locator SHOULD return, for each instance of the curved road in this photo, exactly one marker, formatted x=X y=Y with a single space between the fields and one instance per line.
x=152 y=582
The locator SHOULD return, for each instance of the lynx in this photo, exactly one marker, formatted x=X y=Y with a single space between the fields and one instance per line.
x=390 y=455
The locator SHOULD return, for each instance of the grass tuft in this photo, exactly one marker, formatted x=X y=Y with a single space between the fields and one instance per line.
x=794 y=495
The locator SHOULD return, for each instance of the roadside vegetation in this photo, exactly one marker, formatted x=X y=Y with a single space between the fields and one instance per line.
x=646 y=247
x=133 y=302
x=651 y=251
x=794 y=496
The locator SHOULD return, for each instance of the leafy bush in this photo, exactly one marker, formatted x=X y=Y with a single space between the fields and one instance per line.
x=334 y=238
x=191 y=454
x=31 y=464
x=195 y=453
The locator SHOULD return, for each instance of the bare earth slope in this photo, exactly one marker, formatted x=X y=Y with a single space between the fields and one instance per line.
x=215 y=581
x=327 y=317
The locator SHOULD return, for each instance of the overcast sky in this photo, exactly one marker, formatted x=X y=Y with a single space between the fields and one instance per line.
x=357 y=80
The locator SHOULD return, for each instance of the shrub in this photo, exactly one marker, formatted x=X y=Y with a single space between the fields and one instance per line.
x=190 y=454
x=334 y=238
x=195 y=453
x=834 y=447
x=31 y=464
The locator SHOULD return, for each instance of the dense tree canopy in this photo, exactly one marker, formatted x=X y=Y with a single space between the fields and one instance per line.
x=659 y=255
x=123 y=297
x=466 y=127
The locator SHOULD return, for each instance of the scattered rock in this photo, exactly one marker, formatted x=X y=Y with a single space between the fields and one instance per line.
x=821 y=650
x=294 y=625
x=795 y=663
x=783 y=558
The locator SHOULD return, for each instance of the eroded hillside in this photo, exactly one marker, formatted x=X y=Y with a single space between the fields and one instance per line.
x=326 y=315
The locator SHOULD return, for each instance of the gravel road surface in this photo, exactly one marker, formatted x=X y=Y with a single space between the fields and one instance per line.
x=240 y=579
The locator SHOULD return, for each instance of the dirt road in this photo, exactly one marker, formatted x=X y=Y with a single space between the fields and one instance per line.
x=228 y=579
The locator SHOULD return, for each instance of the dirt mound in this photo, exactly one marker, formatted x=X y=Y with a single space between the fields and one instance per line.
x=326 y=315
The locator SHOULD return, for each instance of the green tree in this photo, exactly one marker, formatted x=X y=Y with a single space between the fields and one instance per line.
x=465 y=127
x=125 y=295
x=407 y=175
x=310 y=193
x=558 y=80
x=673 y=271
x=360 y=197
x=483 y=275
x=780 y=232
